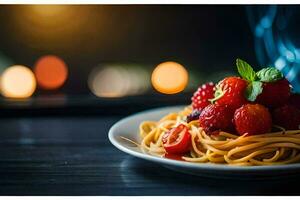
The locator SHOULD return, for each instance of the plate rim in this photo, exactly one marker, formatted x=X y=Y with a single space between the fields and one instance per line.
x=184 y=164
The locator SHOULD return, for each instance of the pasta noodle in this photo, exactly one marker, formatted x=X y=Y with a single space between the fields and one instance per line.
x=274 y=148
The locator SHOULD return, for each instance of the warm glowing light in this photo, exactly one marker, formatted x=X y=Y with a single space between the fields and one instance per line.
x=54 y=27
x=169 y=78
x=118 y=81
x=49 y=10
x=51 y=72
x=18 y=82
x=108 y=82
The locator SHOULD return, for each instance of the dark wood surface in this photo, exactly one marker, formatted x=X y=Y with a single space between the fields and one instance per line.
x=72 y=156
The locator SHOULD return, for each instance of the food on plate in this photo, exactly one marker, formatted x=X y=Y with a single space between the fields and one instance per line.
x=287 y=116
x=252 y=119
x=275 y=94
x=201 y=97
x=216 y=117
x=230 y=92
x=177 y=140
x=248 y=120
x=295 y=100
x=194 y=115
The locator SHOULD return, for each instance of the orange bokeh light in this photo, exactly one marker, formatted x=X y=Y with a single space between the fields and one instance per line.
x=51 y=72
x=169 y=78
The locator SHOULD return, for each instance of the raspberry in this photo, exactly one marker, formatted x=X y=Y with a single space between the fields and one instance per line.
x=201 y=97
x=231 y=92
x=252 y=119
x=275 y=94
x=287 y=116
x=216 y=117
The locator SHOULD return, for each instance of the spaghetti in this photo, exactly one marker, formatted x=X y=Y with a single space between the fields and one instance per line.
x=274 y=148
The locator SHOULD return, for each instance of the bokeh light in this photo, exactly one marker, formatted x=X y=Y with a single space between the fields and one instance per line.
x=48 y=11
x=54 y=28
x=51 y=72
x=169 y=78
x=18 y=82
x=118 y=80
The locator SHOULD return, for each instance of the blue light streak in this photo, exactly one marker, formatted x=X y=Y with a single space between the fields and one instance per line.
x=273 y=45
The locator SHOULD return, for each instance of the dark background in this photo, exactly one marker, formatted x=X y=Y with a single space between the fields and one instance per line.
x=206 y=39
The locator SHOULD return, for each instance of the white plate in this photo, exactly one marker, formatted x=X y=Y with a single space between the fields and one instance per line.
x=128 y=127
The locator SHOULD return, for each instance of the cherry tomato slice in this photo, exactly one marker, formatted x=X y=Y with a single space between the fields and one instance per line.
x=165 y=137
x=177 y=140
x=174 y=156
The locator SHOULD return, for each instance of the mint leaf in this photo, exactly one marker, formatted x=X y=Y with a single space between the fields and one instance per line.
x=245 y=70
x=253 y=89
x=269 y=74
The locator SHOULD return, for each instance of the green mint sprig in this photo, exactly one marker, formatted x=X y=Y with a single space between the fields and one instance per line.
x=269 y=74
x=245 y=70
x=255 y=80
x=253 y=89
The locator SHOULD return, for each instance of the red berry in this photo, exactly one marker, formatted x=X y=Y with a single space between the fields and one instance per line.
x=193 y=116
x=275 y=94
x=287 y=116
x=201 y=97
x=232 y=90
x=216 y=117
x=295 y=100
x=252 y=119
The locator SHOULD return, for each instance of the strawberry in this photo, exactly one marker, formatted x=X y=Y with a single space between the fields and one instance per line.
x=252 y=119
x=295 y=100
x=287 y=116
x=267 y=86
x=230 y=91
x=201 y=97
x=216 y=117
x=275 y=94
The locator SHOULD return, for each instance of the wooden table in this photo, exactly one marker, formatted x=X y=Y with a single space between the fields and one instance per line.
x=72 y=156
